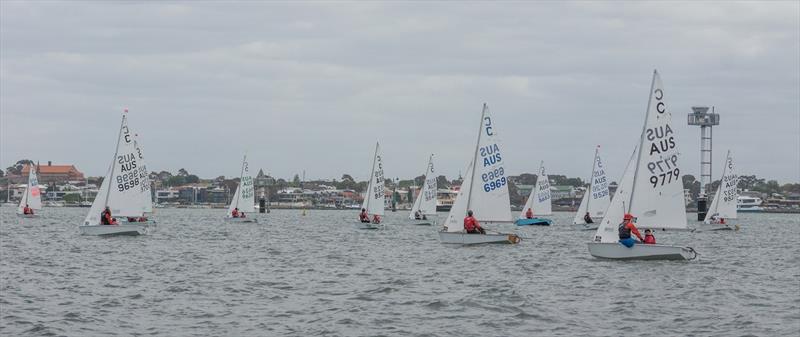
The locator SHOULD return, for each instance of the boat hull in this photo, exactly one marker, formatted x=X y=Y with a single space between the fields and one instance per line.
x=473 y=239
x=28 y=216
x=588 y=227
x=533 y=222
x=616 y=251
x=423 y=222
x=368 y=225
x=114 y=230
x=241 y=220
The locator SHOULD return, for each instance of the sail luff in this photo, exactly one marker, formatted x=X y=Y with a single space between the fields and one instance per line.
x=641 y=137
x=114 y=161
x=241 y=180
x=475 y=156
x=591 y=177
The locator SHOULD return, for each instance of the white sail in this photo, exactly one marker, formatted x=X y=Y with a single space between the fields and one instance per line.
x=33 y=195
x=657 y=199
x=578 y=220
x=607 y=231
x=144 y=176
x=121 y=190
x=724 y=203
x=426 y=199
x=374 y=199
x=455 y=219
x=244 y=198
x=485 y=186
x=539 y=201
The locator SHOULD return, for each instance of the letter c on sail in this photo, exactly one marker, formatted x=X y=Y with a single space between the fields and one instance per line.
x=488 y=126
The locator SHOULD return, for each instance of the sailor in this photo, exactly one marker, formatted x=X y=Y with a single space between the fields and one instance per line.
x=587 y=218
x=529 y=213
x=471 y=225
x=235 y=212
x=417 y=215
x=649 y=238
x=27 y=210
x=376 y=219
x=242 y=215
x=363 y=216
x=105 y=217
x=625 y=229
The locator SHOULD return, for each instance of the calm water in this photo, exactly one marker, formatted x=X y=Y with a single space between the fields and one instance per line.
x=318 y=276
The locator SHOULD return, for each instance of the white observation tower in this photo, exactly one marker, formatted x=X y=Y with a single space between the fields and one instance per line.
x=701 y=117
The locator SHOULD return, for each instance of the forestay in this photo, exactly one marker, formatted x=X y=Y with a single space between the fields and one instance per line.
x=244 y=198
x=724 y=203
x=426 y=200
x=657 y=199
x=121 y=187
x=485 y=186
x=539 y=201
x=33 y=197
x=374 y=198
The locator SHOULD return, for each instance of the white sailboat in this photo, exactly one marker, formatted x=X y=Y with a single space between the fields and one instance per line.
x=484 y=191
x=33 y=195
x=121 y=192
x=723 y=207
x=539 y=202
x=651 y=190
x=244 y=199
x=596 y=198
x=374 y=199
x=425 y=205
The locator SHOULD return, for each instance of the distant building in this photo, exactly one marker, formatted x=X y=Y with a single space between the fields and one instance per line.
x=562 y=192
x=53 y=174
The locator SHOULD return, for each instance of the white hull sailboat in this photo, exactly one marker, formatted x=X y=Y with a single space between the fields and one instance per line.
x=244 y=199
x=723 y=207
x=539 y=202
x=488 y=198
x=124 y=197
x=374 y=199
x=651 y=190
x=596 y=198
x=424 y=209
x=33 y=197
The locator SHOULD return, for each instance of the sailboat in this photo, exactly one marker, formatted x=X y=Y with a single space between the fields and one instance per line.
x=488 y=197
x=244 y=199
x=539 y=202
x=425 y=205
x=374 y=200
x=651 y=190
x=723 y=207
x=33 y=197
x=121 y=191
x=596 y=198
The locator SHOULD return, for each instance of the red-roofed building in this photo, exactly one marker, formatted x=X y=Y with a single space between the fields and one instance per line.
x=57 y=174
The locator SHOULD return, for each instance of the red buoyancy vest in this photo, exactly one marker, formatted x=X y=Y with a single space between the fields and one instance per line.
x=363 y=216
x=649 y=239
x=470 y=223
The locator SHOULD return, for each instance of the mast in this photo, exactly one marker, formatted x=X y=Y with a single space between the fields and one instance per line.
x=475 y=157
x=591 y=178
x=372 y=175
x=641 y=139
x=241 y=176
x=114 y=161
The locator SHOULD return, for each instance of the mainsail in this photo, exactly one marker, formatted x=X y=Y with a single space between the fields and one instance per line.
x=426 y=200
x=539 y=200
x=244 y=198
x=144 y=176
x=121 y=187
x=724 y=203
x=485 y=186
x=33 y=197
x=374 y=198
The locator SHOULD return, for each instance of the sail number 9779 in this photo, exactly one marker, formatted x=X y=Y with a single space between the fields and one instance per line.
x=666 y=177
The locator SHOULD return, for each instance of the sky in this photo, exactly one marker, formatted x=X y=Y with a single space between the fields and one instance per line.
x=313 y=85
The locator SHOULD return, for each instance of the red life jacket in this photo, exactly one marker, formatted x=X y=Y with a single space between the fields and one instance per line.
x=649 y=239
x=363 y=216
x=470 y=224
x=235 y=213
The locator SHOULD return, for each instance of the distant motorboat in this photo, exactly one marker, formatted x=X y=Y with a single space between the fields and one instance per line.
x=749 y=204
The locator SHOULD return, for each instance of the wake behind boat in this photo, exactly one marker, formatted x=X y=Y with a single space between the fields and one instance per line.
x=243 y=201
x=125 y=199
x=651 y=189
x=488 y=202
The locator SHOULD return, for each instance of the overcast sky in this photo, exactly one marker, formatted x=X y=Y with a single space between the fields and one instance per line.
x=312 y=86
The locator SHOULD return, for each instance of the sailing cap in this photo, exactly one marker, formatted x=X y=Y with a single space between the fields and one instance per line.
x=627 y=216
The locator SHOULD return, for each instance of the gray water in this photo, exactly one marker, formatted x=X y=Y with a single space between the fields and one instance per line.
x=318 y=276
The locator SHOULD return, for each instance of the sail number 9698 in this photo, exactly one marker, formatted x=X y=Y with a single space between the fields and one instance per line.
x=127 y=181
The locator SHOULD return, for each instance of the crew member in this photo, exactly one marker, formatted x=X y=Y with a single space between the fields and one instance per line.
x=529 y=213
x=376 y=219
x=417 y=215
x=649 y=238
x=363 y=216
x=105 y=217
x=587 y=218
x=235 y=212
x=471 y=225
x=27 y=210
x=626 y=228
